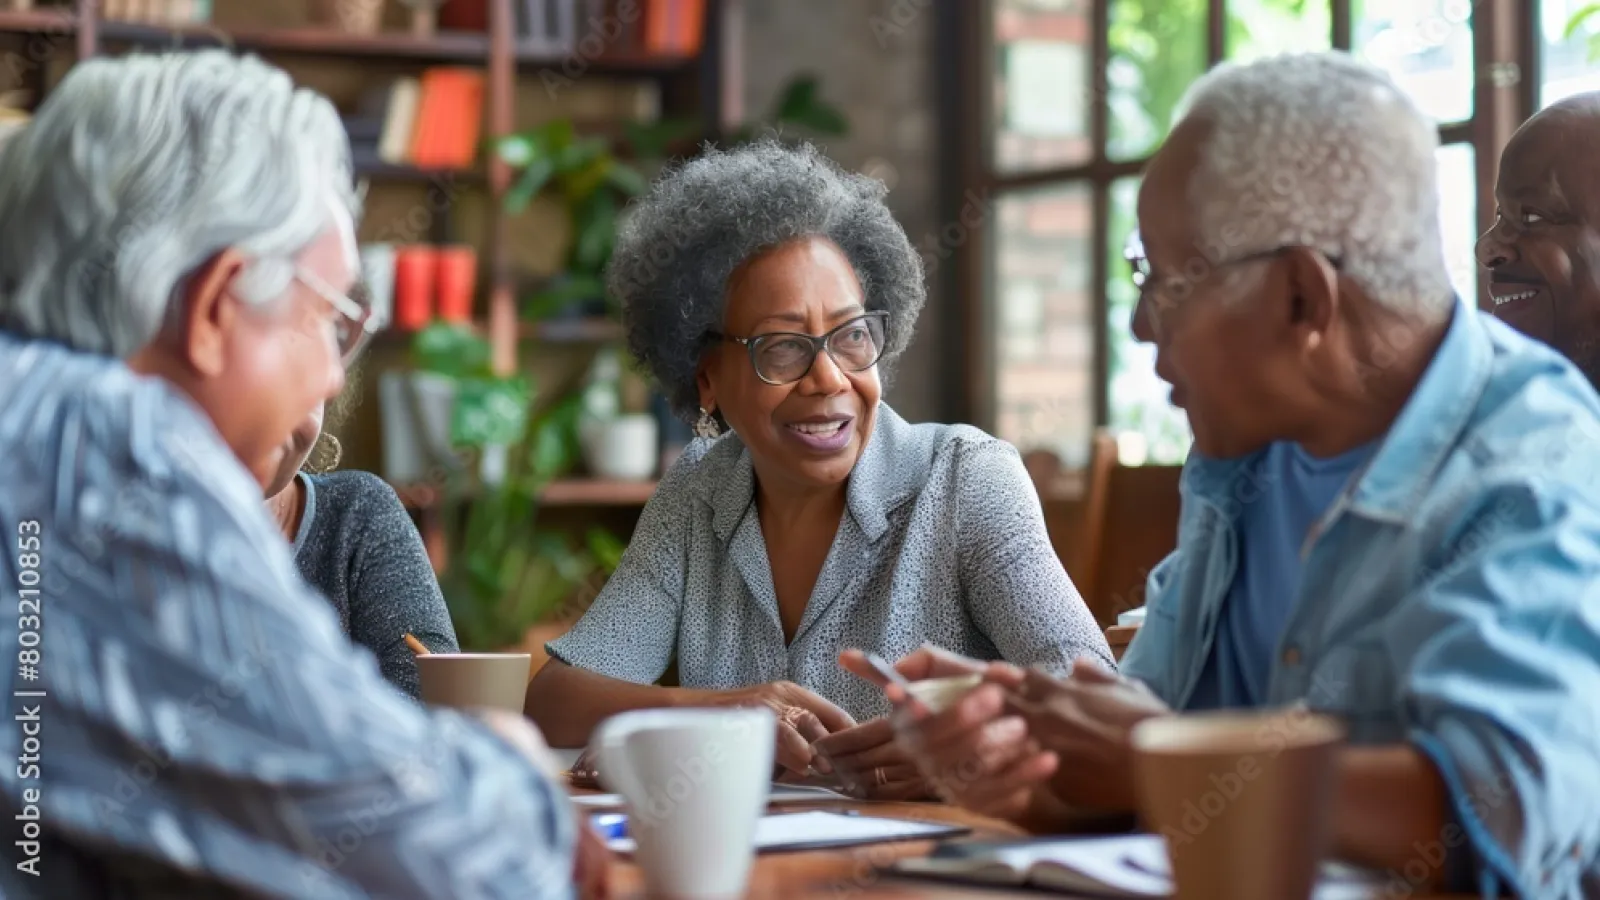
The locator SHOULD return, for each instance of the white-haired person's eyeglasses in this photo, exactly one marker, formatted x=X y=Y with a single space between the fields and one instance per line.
x=1139 y=267
x=356 y=324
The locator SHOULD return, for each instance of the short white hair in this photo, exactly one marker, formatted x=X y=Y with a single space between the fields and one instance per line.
x=1322 y=151
x=137 y=170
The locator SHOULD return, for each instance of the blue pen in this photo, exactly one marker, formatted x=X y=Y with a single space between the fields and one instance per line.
x=610 y=826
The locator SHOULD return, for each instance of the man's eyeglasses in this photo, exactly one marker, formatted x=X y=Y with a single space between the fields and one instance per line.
x=1139 y=265
x=355 y=326
x=782 y=357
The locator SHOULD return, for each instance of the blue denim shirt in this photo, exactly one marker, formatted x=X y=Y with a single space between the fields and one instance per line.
x=1450 y=599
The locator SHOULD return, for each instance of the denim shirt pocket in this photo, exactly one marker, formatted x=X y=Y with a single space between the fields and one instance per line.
x=1356 y=682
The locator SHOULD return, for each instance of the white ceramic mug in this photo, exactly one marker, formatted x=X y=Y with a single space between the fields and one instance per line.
x=696 y=783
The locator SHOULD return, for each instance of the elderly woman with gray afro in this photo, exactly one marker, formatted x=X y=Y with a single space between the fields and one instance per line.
x=770 y=294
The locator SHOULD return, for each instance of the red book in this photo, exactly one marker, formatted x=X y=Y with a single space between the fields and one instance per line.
x=691 y=27
x=658 y=18
x=449 y=119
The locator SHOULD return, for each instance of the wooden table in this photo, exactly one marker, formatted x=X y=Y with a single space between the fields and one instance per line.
x=851 y=872
x=855 y=873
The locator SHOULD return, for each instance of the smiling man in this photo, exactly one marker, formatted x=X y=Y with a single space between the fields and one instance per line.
x=1543 y=252
x=1391 y=514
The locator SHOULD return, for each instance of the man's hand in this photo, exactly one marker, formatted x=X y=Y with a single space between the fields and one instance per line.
x=975 y=755
x=970 y=754
x=591 y=864
x=803 y=719
x=1086 y=721
x=871 y=764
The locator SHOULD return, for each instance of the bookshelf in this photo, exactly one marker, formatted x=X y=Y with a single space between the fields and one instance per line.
x=37 y=21
x=442 y=48
x=566 y=492
x=700 y=85
x=387 y=171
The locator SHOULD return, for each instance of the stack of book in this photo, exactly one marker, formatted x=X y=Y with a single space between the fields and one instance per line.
x=674 y=26
x=431 y=122
x=601 y=27
x=159 y=12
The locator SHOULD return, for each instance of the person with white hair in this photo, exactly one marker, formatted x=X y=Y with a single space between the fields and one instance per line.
x=177 y=256
x=1390 y=514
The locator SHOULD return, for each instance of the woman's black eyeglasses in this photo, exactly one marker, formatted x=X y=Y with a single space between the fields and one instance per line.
x=782 y=357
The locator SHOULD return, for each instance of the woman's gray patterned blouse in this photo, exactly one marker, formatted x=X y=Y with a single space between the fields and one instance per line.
x=944 y=542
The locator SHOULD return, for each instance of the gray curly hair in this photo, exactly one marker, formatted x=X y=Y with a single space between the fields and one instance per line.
x=680 y=244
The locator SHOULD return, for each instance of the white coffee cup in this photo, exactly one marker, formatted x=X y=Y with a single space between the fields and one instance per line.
x=695 y=782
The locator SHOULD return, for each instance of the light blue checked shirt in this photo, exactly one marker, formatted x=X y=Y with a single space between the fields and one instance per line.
x=1449 y=598
x=208 y=730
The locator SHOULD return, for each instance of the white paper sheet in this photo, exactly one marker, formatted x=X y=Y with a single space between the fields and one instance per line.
x=780 y=795
x=1124 y=866
x=818 y=827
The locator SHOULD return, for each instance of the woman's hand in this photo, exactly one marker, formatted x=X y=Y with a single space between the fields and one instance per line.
x=803 y=719
x=872 y=764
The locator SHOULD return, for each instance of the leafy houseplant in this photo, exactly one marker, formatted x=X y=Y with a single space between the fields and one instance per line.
x=505 y=574
x=1581 y=21
x=593 y=184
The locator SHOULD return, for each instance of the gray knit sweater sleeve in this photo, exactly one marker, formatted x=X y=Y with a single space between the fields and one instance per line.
x=358 y=547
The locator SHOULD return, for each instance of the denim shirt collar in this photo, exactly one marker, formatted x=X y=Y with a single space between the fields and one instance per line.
x=1396 y=480
x=889 y=471
x=1430 y=424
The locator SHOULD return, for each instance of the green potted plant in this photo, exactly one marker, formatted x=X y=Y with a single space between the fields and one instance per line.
x=593 y=184
x=1580 y=22
x=504 y=575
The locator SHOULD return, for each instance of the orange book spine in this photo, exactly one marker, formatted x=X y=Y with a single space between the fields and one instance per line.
x=658 y=25
x=692 y=26
x=464 y=117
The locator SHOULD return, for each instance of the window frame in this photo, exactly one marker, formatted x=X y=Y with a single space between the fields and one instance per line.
x=1506 y=51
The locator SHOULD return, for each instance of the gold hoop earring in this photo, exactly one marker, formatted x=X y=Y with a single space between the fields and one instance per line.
x=325 y=455
x=706 y=426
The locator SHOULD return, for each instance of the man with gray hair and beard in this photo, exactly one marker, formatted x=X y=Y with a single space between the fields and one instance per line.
x=177 y=251
x=1390 y=514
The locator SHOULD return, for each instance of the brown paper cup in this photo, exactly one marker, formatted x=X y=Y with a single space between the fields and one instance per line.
x=475 y=680
x=1243 y=800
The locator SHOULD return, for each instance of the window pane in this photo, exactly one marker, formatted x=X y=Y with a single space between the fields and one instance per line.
x=1426 y=45
x=1044 y=356
x=1458 y=216
x=1258 y=28
x=1043 y=54
x=1149 y=428
x=1570 y=65
x=1158 y=47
